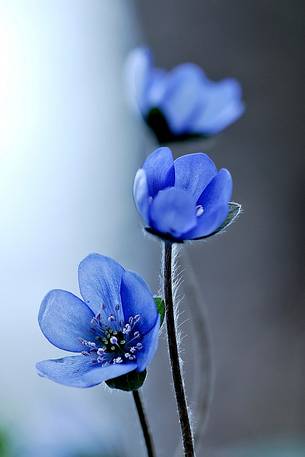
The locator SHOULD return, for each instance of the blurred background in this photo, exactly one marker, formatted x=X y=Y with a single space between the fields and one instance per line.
x=69 y=148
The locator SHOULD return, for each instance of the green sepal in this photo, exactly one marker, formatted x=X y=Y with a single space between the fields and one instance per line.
x=160 y=304
x=156 y=120
x=128 y=382
x=234 y=212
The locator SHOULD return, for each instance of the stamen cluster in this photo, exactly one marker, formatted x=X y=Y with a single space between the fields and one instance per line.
x=115 y=342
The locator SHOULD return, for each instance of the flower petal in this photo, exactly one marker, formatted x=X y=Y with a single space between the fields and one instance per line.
x=150 y=344
x=181 y=97
x=159 y=170
x=173 y=212
x=193 y=172
x=138 y=299
x=214 y=200
x=209 y=222
x=218 y=191
x=138 y=73
x=100 y=283
x=140 y=194
x=155 y=89
x=221 y=107
x=64 y=319
x=79 y=371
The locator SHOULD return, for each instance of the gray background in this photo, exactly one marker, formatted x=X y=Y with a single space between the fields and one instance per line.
x=258 y=313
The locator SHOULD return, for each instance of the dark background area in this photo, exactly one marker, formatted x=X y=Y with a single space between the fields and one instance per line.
x=257 y=315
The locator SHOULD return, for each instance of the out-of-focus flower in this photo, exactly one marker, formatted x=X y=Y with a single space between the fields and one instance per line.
x=183 y=199
x=183 y=102
x=114 y=328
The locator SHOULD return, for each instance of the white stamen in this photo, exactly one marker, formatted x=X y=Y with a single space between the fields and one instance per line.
x=118 y=360
x=136 y=318
x=88 y=344
x=127 y=329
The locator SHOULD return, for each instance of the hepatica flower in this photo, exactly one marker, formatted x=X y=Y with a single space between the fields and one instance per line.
x=183 y=199
x=114 y=328
x=183 y=102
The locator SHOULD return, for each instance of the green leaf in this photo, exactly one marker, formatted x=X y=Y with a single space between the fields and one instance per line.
x=128 y=382
x=234 y=212
x=160 y=304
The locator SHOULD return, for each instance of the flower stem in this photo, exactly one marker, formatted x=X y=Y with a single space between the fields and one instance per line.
x=144 y=423
x=173 y=352
x=203 y=366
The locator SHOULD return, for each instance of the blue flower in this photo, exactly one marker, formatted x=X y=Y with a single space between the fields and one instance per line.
x=114 y=329
x=183 y=102
x=183 y=199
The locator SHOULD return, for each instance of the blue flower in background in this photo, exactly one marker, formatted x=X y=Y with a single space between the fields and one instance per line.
x=183 y=102
x=114 y=328
x=183 y=199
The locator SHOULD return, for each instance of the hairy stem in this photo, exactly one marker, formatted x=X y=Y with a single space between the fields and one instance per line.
x=144 y=423
x=203 y=372
x=173 y=352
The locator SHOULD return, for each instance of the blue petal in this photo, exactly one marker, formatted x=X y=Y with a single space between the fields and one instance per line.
x=221 y=107
x=140 y=194
x=150 y=344
x=194 y=172
x=173 y=212
x=138 y=74
x=159 y=170
x=79 y=371
x=209 y=222
x=138 y=299
x=218 y=192
x=214 y=199
x=64 y=319
x=181 y=98
x=100 y=283
x=155 y=89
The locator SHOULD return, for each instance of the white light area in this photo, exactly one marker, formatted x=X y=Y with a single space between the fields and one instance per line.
x=67 y=161
x=8 y=79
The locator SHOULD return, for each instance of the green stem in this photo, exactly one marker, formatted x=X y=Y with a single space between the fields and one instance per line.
x=174 y=354
x=144 y=423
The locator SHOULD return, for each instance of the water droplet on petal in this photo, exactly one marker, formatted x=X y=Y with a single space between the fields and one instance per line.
x=199 y=210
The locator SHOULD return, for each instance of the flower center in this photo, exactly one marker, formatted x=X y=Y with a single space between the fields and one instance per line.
x=112 y=343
